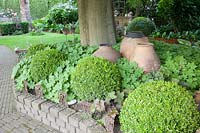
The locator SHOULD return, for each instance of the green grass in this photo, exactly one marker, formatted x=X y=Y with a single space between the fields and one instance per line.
x=25 y=40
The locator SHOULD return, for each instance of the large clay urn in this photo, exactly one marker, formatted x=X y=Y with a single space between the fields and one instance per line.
x=146 y=57
x=107 y=52
x=197 y=97
x=129 y=43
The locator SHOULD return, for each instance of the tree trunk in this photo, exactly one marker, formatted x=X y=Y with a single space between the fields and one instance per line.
x=137 y=11
x=25 y=10
x=96 y=21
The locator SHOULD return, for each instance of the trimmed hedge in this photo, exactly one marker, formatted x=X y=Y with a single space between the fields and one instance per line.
x=159 y=107
x=142 y=24
x=24 y=27
x=44 y=63
x=10 y=28
x=7 y=28
x=94 y=78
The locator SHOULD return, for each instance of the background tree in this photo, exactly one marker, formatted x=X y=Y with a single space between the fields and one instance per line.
x=181 y=14
x=138 y=5
x=25 y=10
x=96 y=21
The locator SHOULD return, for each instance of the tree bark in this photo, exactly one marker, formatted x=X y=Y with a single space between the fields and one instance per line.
x=137 y=11
x=25 y=10
x=96 y=21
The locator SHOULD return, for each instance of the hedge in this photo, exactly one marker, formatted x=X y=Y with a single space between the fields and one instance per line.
x=11 y=27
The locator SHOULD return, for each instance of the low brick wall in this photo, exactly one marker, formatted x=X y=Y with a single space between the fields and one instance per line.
x=58 y=117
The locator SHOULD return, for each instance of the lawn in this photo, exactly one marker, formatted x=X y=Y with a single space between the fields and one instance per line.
x=25 y=40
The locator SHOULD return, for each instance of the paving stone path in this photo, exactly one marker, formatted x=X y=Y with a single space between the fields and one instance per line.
x=12 y=121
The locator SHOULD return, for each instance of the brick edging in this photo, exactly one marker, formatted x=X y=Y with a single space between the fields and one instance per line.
x=58 y=117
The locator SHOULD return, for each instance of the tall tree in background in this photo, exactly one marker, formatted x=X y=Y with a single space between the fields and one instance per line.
x=96 y=21
x=25 y=10
x=138 y=5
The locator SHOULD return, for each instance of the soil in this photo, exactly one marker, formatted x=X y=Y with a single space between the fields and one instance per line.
x=170 y=41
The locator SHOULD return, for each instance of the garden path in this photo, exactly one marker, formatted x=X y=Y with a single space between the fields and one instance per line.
x=12 y=121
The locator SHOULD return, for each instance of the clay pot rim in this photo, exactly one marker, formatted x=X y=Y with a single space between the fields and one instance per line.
x=145 y=44
x=139 y=34
x=105 y=44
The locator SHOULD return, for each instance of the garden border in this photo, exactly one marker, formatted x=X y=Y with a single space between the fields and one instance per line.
x=57 y=116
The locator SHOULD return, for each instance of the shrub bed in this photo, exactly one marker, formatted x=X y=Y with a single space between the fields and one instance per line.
x=100 y=87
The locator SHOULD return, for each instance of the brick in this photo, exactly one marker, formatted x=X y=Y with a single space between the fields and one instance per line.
x=54 y=110
x=46 y=121
x=29 y=100
x=16 y=94
x=72 y=129
x=27 y=108
x=37 y=103
x=45 y=107
x=22 y=97
x=19 y=105
x=24 y=111
x=96 y=129
x=80 y=131
x=61 y=123
x=51 y=118
x=55 y=126
x=84 y=124
x=37 y=117
x=31 y=114
x=35 y=111
x=64 y=130
x=43 y=114
x=64 y=114
x=75 y=119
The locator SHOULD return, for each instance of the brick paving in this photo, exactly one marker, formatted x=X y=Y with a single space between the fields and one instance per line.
x=12 y=121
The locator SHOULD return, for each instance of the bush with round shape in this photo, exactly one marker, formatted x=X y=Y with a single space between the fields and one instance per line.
x=93 y=78
x=157 y=107
x=44 y=63
x=141 y=24
x=32 y=50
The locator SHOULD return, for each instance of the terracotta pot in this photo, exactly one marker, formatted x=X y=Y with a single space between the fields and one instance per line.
x=129 y=43
x=197 y=97
x=107 y=52
x=146 y=58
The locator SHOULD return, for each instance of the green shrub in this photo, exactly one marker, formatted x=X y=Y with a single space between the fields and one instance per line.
x=62 y=14
x=44 y=63
x=58 y=18
x=178 y=69
x=7 y=28
x=10 y=28
x=93 y=78
x=24 y=27
x=32 y=50
x=158 y=107
x=141 y=24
